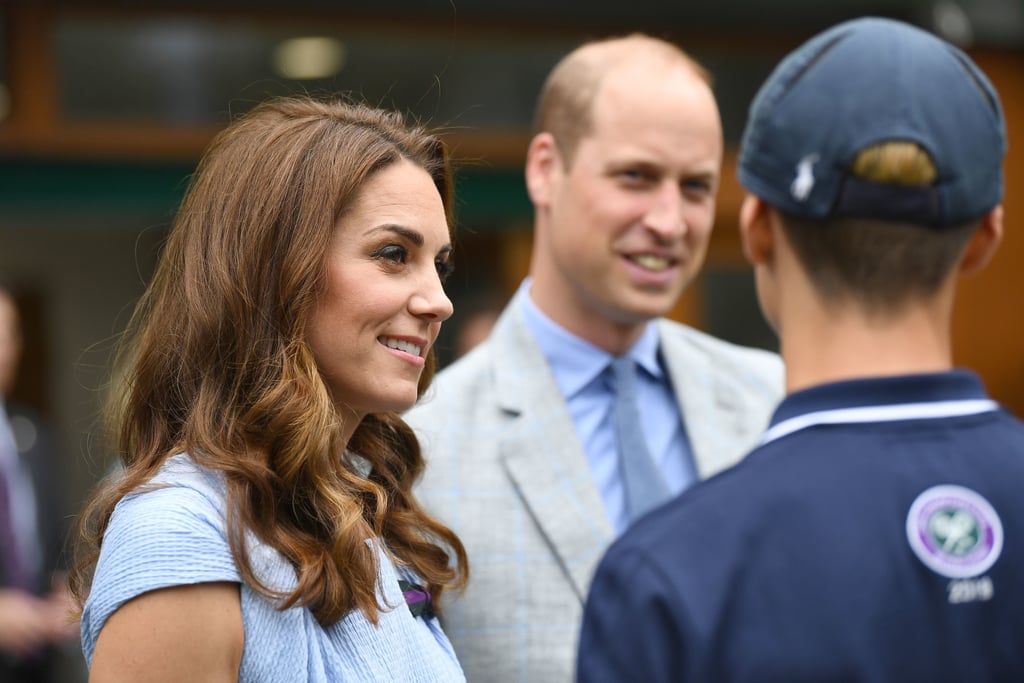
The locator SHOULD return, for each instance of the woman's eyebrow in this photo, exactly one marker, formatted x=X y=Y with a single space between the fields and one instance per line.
x=406 y=233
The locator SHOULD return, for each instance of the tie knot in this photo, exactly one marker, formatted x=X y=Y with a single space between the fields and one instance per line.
x=624 y=372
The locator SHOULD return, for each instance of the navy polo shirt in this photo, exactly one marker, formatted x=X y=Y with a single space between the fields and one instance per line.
x=875 y=535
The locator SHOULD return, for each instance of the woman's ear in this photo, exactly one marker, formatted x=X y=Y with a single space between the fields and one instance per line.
x=756 y=233
x=541 y=162
x=984 y=242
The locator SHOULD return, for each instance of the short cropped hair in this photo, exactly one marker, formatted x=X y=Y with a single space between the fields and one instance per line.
x=880 y=264
x=565 y=106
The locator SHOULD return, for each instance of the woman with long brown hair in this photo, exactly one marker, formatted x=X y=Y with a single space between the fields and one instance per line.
x=264 y=528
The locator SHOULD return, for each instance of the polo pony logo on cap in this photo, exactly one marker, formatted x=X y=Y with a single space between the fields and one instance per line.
x=804 y=182
x=954 y=531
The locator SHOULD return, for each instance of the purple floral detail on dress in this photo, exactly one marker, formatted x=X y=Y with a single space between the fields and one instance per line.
x=418 y=599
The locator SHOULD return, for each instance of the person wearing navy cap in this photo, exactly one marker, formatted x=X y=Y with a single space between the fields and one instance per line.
x=876 y=532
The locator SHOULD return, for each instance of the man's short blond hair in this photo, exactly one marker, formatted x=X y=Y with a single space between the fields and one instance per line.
x=565 y=106
x=882 y=265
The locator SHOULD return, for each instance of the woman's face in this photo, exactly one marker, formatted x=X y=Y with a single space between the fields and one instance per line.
x=383 y=302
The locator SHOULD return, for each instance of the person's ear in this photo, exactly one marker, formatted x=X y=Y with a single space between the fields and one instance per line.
x=542 y=160
x=984 y=242
x=756 y=233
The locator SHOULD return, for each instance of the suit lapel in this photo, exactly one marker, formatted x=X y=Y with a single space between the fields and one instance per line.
x=713 y=410
x=543 y=456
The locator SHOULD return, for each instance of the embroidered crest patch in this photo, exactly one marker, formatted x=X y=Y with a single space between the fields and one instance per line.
x=954 y=531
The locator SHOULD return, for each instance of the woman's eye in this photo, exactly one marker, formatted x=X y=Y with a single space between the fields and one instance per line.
x=444 y=268
x=393 y=253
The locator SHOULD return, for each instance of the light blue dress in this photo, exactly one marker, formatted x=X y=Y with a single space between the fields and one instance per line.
x=176 y=535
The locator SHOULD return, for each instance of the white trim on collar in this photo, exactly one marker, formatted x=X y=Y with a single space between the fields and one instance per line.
x=886 y=413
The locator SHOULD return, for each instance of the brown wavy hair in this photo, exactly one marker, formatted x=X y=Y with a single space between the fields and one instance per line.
x=215 y=362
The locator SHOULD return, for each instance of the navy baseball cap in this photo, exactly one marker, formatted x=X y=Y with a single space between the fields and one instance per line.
x=861 y=83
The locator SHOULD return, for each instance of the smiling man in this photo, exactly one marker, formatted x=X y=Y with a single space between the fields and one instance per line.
x=526 y=461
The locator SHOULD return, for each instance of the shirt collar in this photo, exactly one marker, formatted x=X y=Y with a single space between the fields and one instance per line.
x=575 y=361
x=882 y=391
x=883 y=399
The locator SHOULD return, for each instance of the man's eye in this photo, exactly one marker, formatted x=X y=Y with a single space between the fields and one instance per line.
x=697 y=185
x=636 y=175
x=393 y=253
x=444 y=268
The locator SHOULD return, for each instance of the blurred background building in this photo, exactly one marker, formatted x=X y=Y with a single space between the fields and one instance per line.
x=106 y=106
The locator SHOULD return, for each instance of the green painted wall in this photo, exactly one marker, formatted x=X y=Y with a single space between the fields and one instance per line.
x=489 y=199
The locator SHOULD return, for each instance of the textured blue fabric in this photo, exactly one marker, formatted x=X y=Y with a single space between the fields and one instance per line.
x=175 y=535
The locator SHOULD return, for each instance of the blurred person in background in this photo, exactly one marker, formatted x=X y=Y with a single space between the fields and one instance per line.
x=264 y=528
x=474 y=321
x=35 y=604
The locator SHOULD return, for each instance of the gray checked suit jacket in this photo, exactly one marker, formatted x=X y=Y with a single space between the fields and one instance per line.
x=506 y=471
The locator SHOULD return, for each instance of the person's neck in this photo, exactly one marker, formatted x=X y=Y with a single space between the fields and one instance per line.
x=593 y=326
x=826 y=346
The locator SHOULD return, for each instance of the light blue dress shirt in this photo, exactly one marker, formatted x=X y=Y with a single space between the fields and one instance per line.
x=578 y=368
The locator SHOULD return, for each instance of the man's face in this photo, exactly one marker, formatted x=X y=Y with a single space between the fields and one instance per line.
x=629 y=220
x=10 y=344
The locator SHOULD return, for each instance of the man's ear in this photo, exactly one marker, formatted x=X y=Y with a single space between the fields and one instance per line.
x=542 y=159
x=756 y=230
x=984 y=242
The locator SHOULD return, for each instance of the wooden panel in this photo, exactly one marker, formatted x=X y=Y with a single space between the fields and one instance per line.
x=988 y=329
x=32 y=70
x=724 y=248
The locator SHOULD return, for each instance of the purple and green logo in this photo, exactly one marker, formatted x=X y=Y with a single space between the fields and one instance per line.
x=954 y=531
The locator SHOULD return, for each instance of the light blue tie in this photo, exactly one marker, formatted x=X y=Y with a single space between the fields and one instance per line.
x=643 y=482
